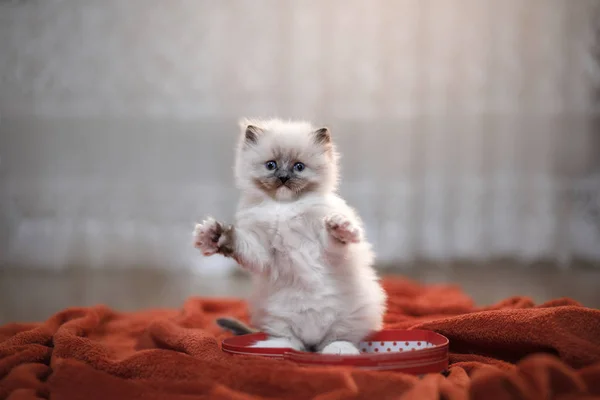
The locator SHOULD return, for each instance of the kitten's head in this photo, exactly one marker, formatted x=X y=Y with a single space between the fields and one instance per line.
x=285 y=160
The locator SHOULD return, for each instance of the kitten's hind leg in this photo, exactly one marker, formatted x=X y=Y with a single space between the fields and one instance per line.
x=280 y=342
x=340 y=347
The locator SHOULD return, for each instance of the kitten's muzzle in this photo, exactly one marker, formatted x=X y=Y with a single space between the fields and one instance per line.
x=282 y=176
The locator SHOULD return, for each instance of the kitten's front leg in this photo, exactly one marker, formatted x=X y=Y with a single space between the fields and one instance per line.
x=213 y=237
x=343 y=229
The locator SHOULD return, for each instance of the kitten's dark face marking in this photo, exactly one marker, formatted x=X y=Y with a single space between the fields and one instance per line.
x=289 y=163
x=283 y=171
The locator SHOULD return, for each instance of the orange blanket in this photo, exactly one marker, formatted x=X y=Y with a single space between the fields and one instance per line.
x=511 y=350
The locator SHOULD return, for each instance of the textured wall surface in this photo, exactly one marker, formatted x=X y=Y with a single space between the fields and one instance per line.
x=467 y=127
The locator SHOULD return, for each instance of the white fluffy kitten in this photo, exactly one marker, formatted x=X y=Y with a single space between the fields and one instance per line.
x=315 y=288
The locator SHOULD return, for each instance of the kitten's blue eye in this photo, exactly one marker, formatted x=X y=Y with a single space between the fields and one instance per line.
x=271 y=165
x=299 y=167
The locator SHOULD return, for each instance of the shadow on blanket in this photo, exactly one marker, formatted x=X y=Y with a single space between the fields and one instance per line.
x=513 y=349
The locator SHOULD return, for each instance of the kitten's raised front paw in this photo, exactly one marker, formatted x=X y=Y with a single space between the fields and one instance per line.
x=342 y=229
x=207 y=235
x=340 y=348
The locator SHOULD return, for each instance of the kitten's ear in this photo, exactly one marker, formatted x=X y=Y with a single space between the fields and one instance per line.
x=251 y=132
x=322 y=136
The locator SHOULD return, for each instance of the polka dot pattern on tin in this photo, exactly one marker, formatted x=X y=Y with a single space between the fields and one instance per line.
x=390 y=347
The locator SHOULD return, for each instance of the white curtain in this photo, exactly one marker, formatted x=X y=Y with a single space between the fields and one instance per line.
x=467 y=126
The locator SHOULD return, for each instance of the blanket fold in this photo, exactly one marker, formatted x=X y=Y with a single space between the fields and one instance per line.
x=513 y=349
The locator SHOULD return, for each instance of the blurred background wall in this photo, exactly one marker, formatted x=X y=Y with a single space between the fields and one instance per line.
x=469 y=128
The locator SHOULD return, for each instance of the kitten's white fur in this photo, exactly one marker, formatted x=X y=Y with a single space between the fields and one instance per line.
x=315 y=287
